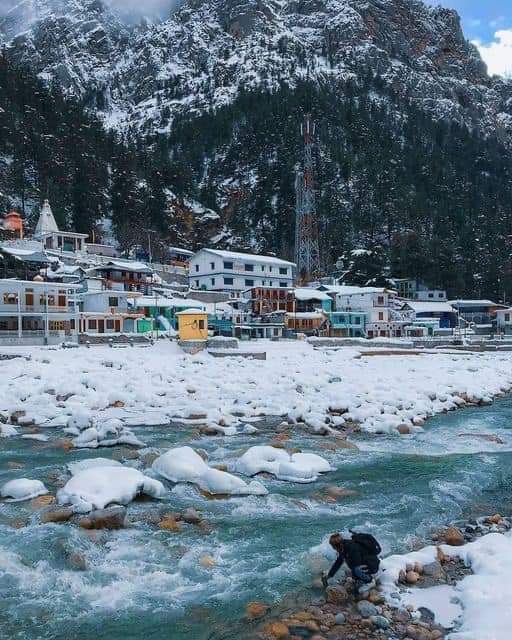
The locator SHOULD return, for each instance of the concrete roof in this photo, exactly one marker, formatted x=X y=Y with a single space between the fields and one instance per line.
x=250 y=257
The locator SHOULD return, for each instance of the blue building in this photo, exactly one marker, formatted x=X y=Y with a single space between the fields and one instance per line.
x=348 y=324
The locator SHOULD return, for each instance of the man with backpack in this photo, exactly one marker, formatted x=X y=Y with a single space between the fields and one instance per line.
x=361 y=553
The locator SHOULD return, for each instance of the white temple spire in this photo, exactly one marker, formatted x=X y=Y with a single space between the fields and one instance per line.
x=46 y=223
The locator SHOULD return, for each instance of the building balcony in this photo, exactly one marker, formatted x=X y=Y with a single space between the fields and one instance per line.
x=14 y=309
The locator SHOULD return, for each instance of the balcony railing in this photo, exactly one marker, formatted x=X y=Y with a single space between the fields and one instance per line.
x=14 y=309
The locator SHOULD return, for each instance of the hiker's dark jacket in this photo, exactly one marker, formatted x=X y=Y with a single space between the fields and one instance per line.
x=355 y=554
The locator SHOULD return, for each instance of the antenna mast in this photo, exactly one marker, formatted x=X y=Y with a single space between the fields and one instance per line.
x=307 y=251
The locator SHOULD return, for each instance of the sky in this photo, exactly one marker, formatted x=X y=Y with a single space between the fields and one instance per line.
x=487 y=23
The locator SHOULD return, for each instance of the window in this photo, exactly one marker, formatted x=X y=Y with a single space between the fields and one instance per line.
x=72 y=323
x=381 y=315
x=357 y=320
x=212 y=280
x=228 y=265
x=228 y=280
x=263 y=282
x=341 y=319
x=249 y=283
x=201 y=324
x=441 y=295
x=51 y=300
x=263 y=267
x=283 y=271
x=507 y=317
x=430 y=295
x=10 y=298
x=29 y=297
x=110 y=324
x=62 y=298
x=93 y=324
x=212 y=265
x=270 y=269
x=270 y=283
x=197 y=284
x=249 y=267
x=283 y=284
x=380 y=300
x=197 y=267
x=113 y=302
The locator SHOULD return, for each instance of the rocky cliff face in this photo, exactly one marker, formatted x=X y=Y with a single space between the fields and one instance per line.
x=414 y=149
x=207 y=51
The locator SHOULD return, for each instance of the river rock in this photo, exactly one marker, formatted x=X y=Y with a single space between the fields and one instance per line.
x=411 y=577
x=403 y=429
x=169 y=523
x=207 y=562
x=336 y=595
x=16 y=415
x=453 y=537
x=340 y=618
x=256 y=610
x=41 y=501
x=76 y=561
x=415 y=632
x=495 y=519
x=367 y=609
x=339 y=492
x=112 y=518
x=56 y=515
x=381 y=622
x=433 y=569
x=191 y=516
x=276 y=631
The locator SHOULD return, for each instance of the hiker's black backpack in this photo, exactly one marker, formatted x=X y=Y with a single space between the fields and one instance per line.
x=371 y=549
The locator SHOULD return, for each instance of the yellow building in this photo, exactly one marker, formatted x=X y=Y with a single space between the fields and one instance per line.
x=192 y=324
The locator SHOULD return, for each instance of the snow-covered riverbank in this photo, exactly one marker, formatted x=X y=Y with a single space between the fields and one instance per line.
x=324 y=389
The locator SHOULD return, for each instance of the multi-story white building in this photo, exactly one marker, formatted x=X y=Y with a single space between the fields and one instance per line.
x=233 y=272
x=37 y=312
x=381 y=306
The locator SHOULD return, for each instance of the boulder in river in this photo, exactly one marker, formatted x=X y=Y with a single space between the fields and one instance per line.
x=56 y=515
x=111 y=518
x=256 y=610
x=453 y=537
x=336 y=595
x=367 y=609
x=275 y=631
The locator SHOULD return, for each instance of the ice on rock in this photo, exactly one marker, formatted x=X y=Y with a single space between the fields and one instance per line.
x=220 y=482
x=7 y=430
x=80 y=420
x=91 y=463
x=98 y=486
x=183 y=464
x=107 y=434
x=22 y=489
x=299 y=467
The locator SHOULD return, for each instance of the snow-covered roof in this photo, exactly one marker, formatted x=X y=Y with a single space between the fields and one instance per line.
x=307 y=293
x=430 y=307
x=46 y=223
x=184 y=252
x=349 y=290
x=160 y=301
x=126 y=265
x=235 y=255
x=189 y=312
x=111 y=293
x=473 y=303
x=27 y=255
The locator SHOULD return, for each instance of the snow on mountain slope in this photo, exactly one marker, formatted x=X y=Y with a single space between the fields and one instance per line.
x=140 y=77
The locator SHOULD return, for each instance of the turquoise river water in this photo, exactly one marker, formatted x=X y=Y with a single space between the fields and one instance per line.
x=142 y=582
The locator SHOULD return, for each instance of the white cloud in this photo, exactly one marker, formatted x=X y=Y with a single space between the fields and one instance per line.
x=498 y=53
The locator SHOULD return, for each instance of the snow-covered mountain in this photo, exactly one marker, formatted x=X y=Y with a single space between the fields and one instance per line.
x=414 y=153
x=207 y=51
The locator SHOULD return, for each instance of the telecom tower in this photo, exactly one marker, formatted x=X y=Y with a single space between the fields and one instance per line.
x=307 y=251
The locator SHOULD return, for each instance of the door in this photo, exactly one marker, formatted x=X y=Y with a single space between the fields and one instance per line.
x=117 y=326
x=101 y=326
